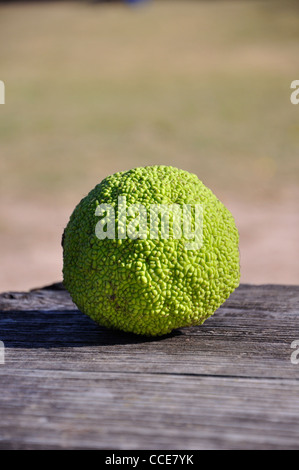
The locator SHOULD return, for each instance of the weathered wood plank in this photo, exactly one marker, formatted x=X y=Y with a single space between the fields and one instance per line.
x=146 y=411
x=229 y=384
x=246 y=337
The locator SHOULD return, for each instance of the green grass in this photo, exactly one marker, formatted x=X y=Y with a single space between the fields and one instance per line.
x=94 y=89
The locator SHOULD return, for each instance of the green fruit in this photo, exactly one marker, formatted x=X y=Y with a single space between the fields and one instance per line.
x=146 y=275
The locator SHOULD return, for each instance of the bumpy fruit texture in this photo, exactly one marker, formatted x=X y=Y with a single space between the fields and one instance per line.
x=150 y=286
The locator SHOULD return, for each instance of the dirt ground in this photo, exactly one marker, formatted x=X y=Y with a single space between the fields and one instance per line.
x=31 y=254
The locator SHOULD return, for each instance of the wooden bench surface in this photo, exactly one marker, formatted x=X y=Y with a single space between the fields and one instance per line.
x=228 y=384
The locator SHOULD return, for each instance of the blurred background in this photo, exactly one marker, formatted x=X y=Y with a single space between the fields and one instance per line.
x=93 y=88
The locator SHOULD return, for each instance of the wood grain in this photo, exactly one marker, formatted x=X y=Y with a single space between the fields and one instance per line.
x=228 y=384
